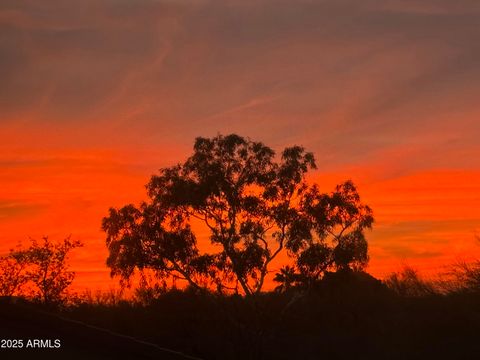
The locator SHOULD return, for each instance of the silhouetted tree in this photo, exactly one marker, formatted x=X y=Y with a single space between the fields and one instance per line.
x=252 y=206
x=47 y=268
x=40 y=270
x=287 y=277
x=463 y=276
x=12 y=273
x=408 y=283
x=330 y=233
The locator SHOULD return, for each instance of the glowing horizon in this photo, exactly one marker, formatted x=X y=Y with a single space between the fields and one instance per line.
x=97 y=96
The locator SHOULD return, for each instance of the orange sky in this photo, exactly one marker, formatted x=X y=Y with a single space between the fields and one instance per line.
x=95 y=96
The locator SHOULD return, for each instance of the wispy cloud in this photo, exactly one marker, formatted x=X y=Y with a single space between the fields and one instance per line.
x=96 y=92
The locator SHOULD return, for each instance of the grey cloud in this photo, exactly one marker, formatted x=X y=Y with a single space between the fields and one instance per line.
x=333 y=72
x=71 y=65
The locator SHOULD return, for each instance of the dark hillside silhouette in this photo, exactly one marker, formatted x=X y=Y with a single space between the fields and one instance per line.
x=346 y=315
x=78 y=340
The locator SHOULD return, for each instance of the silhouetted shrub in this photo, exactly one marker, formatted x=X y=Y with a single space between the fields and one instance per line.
x=462 y=276
x=39 y=271
x=408 y=283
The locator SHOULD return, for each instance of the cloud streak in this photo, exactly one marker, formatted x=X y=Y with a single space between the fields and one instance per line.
x=102 y=91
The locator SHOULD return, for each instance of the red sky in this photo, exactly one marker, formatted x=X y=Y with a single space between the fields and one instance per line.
x=95 y=96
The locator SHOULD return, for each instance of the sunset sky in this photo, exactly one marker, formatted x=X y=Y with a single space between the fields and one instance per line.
x=97 y=95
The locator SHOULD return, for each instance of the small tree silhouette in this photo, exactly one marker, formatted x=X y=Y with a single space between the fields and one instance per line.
x=408 y=283
x=252 y=205
x=48 y=268
x=42 y=269
x=12 y=273
x=464 y=276
x=287 y=277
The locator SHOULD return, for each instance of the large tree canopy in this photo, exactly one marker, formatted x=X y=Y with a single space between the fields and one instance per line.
x=253 y=206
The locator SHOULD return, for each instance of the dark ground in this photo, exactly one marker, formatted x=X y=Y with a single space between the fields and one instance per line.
x=348 y=318
x=78 y=341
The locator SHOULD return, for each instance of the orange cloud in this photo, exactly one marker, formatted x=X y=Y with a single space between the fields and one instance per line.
x=97 y=95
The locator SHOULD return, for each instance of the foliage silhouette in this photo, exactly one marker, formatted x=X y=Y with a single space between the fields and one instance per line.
x=347 y=314
x=43 y=265
x=253 y=207
x=463 y=277
x=287 y=278
x=12 y=273
x=408 y=283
